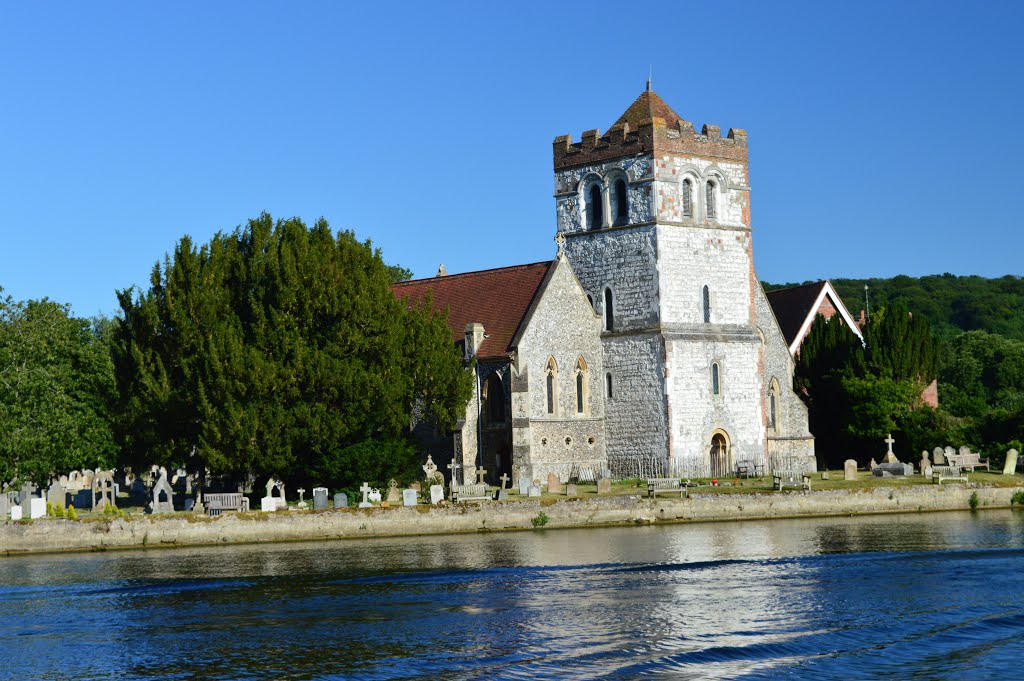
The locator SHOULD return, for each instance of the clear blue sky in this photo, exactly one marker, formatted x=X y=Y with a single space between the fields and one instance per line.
x=883 y=135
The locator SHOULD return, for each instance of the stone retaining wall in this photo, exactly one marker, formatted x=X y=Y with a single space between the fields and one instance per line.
x=49 y=535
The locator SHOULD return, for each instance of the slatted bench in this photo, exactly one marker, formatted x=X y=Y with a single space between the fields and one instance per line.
x=968 y=461
x=655 y=485
x=782 y=479
x=230 y=501
x=470 y=493
x=940 y=473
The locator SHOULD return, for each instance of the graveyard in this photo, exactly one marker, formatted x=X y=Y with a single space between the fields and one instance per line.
x=100 y=510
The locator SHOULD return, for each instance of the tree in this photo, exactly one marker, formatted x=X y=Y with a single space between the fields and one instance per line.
x=56 y=385
x=274 y=349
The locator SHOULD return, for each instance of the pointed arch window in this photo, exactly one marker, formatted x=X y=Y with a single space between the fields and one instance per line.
x=551 y=385
x=582 y=387
x=594 y=207
x=609 y=311
x=712 y=209
x=687 y=198
x=706 y=304
x=716 y=380
x=494 y=400
x=621 y=203
x=608 y=385
x=773 y=405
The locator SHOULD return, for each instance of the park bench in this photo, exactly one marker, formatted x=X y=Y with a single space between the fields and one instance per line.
x=655 y=485
x=470 y=493
x=230 y=501
x=782 y=479
x=746 y=469
x=967 y=461
x=940 y=473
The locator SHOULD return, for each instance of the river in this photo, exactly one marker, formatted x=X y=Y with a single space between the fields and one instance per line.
x=919 y=596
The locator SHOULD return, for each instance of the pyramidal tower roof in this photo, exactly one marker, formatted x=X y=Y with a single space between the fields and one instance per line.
x=647 y=107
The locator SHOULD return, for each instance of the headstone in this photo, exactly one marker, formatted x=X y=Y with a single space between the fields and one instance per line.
x=57 y=495
x=965 y=450
x=163 y=495
x=504 y=480
x=409 y=497
x=1010 y=467
x=394 y=494
x=554 y=484
x=302 y=500
x=15 y=512
x=925 y=464
x=429 y=468
x=275 y=490
x=374 y=496
x=320 y=498
x=886 y=470
x=948 y=452
x=604 y=485
x=36 y=507
x=825 y=475
x=189 y=505
x=268 y=504
x=74 y=481
x=365 y=489
x=502 y=494
x=890 y=457
x=436 y=494
x=872 y=466
x=5 y=506
x=524 y=486
x=102 y=490
x=481 y=473
x=534 y=491
x=938 y=457
x=416 y=486
x=849 y=470
x=570 y=490
x=340 y=500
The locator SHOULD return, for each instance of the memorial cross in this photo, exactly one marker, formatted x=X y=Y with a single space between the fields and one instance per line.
x=481 y=472
x=889 y=441
x=454 y=468
x=504 y=480
x=365 y=489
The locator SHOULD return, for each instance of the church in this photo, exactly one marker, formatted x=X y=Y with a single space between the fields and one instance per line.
x=648 y=338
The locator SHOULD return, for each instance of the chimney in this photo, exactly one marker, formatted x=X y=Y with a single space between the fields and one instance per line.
x=474 y=338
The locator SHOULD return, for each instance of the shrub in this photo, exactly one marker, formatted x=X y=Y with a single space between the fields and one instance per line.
x=973 y=501
x=59 y=511
x=541 y=520
x=72 y=514
x=1017 y=498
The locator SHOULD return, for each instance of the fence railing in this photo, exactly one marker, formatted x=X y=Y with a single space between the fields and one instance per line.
x=721 y=465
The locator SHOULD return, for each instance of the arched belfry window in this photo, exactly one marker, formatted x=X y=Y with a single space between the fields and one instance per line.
x=582 y=387
x=609 y=311
x=709 y=202
x=494 y=400
x=621 y=203
x=608 y=385
x=595 y=203
x=551 y=385
x=716 y=380
x=687 y=198
x=706 y=304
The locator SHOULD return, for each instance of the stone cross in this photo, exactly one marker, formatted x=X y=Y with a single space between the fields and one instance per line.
x=454 y=468
x=504 y=480
x=481 y=472
x=429 y=468
x=301 y=491
x=365 y=489
x=889 y=441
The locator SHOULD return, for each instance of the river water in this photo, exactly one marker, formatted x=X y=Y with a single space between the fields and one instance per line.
x=931 y=596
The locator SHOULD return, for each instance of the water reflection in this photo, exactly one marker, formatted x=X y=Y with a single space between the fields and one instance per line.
x=837 y=598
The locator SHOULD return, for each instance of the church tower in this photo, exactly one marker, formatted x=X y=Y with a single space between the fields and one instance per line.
x=656 y=218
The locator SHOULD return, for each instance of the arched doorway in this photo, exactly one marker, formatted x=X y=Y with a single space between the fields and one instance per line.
x=720 y=463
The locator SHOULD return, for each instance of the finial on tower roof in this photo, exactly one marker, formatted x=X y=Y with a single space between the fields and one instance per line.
x=650 y=76
x=560 y=240
x=441 y=271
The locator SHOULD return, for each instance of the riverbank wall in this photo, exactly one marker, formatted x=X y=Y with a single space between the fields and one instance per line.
x=55 y=535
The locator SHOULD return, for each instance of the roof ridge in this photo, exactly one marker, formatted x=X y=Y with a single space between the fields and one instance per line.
x=449 y=277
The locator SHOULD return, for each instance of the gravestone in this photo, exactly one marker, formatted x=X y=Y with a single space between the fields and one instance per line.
x=27 y=490
x=268 y=504
x=948 y=452
x=938 y=457
x=554 y=484
x=74 y=481
x=504 y=480
x=320 y=498
x=409 y=497
x=534 y=491
x=102 y=490
x=340 y=500
x=524 y=486
x=570 y=490
x=888 y=470
x=872 y=466
x=394 y=494
x=56 y=495
x=481 y=473
x=849 y=470
x=429 y=468
x=890 y=457
x=374 y=496
x=453 y=472
x=163 y=495
x=925 y=464
x=965 y=451
x=416 y=486
x=15 y=512
x=275 y=490
x=1010 y=467
x=36 y=507
x=365 y=489
x=436 y=494
x=604 y=485
x=825 y=475
x=501 y=495
x=302 y=499
x=5 y=506
x=189 y=506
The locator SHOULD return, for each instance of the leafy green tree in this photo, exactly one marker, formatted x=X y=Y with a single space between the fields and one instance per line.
x=275 y=350
x=56 y=386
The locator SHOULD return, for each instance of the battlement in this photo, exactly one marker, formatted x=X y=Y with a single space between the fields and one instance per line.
x=649 y=126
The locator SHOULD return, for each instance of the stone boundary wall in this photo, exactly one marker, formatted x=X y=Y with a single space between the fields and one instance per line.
x=53 y=535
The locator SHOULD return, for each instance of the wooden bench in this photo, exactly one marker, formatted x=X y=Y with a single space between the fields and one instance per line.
x=940 y=473
x=231 y=501
x=746 y=469
x=968 y=461
x=470 y=493
x=782 y=479
x=655 y=485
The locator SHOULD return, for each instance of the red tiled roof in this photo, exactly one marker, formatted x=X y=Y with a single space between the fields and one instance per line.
x=793 y=305
x=647 y=106
x=497 y=298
